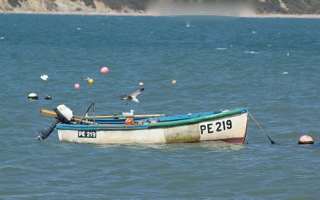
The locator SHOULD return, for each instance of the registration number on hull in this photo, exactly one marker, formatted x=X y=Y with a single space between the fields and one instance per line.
x=87 y=134
x=208 y=128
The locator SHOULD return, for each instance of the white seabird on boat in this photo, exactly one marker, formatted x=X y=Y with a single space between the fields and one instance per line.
x=132 y=97
x=127 y=114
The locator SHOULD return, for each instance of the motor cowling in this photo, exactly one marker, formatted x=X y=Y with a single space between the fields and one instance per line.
x=65 y=114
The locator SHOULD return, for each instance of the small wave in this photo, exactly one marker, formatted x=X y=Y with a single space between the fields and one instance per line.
x=221 y=49
x=251 y=52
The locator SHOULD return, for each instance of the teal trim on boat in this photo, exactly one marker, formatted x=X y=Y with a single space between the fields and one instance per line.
x=198 y=119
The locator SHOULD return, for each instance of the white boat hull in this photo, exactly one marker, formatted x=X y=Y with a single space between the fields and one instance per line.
x=231 y=128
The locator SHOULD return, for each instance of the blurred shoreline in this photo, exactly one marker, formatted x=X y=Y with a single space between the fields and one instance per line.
x=115 y=13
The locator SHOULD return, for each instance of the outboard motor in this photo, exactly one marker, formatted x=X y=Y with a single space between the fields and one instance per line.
x=65 y=115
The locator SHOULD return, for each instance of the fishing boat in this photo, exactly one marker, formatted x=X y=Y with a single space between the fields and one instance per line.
x=226 y=125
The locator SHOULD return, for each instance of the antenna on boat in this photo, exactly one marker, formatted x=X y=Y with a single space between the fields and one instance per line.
x=272 y=142
x=91 y=105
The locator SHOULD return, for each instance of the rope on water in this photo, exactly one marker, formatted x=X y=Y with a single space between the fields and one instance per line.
x=272 y=142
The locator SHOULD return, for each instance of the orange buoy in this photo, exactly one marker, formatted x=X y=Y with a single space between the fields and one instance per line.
x=129 y=121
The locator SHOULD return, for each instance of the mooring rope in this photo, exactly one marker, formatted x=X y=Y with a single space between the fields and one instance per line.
x=272 y=142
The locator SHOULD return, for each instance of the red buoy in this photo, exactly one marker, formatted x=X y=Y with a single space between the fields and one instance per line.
x=104 y=70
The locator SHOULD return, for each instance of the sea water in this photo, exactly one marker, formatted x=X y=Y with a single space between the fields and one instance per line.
x=270 y=65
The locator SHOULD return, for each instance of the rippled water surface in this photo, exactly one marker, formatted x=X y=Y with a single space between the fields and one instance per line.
x=270 y=65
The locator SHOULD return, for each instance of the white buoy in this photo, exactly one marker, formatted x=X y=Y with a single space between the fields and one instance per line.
x=44 y=77
x=33 y=96
x=305 y=139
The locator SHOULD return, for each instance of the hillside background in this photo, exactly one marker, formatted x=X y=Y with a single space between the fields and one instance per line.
x=162 y=6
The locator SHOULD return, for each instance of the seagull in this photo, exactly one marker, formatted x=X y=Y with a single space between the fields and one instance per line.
x=132 y=97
